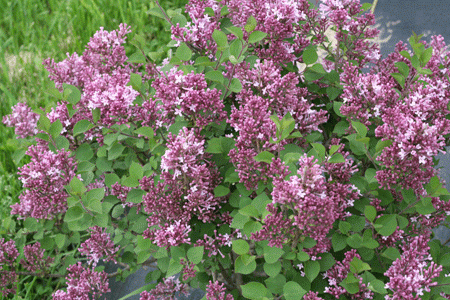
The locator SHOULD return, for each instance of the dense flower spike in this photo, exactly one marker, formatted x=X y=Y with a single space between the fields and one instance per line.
x=216 y=291
x=44 y=179
x=188 y=96
x=23 y=120
x=99 y=245
x=166 y=290
x=82 y=282
x=34 y=258
x=8 y=256
x=339 y=272
x=412 y=273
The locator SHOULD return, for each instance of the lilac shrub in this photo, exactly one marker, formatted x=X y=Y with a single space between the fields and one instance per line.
x=241 y=162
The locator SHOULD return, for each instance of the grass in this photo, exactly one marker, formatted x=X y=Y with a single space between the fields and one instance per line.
x=32 y=30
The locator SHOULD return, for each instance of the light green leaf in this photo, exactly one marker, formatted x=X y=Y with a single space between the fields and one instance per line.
x=240 y=247
x=254 y=290
x=293 y=291
x=81 y=127
x=195 y=254
x=183 y=52
x=221 y=191
x=256 y=36
x=310 y=55
x=264 y=156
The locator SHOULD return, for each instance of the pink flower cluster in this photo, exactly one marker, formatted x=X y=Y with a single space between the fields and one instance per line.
x=216 y=291
x=44 y=179
x=99 y=245
x=102 y=75
x=266 y=92
x=413 y=273
x=34 y=258
x=339 y=272
x=213 y=244
x=187 y=96
x=316 y=204
x=353 y=31
x=23 y=120
x=413 y=120
x=82 y=282
x=8 y=256
x=166 y=290
x=186 y=189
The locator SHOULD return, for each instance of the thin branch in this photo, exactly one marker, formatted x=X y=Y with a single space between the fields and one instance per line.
x=372 y=9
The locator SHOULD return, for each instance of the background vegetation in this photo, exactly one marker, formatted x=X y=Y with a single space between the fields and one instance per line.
x=32 y=30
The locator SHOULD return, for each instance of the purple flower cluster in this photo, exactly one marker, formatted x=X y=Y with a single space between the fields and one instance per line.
x=187 y=96
x=82 y=282
x=412 y=273
x=44 y=179
x=216 y=291
x=186 y=189
x=99 y=245
x=339 y=272
x=166 y=290
x=34 y=258
x=316 y=204
x=23 y=120
x=213 y=244
x=8 y=256
x=414 y=120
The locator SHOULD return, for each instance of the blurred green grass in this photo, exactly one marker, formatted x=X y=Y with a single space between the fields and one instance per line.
x=32 y=30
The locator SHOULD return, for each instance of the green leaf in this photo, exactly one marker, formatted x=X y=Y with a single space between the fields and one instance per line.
x=156 y=11
x=272 y=254
x=115 y=151
x=425 y=206
x=341 y=127
x=360 y=128
x=73 y=214
x=254 y=291
x=174 y=267
x=220 y=38
x=195 y=254
x=403 y=68
x=312 y=269
x=256 y=36
x=215 y=75
x=444 y=260
x=60 y=240
x=55 y=129
x=77 y=185
x=84 y=152
x=377 y=286
x=264 y=156
x=221 y=191
x=272 y=269
x=145 y=131
x=251 y=24
x=250 y=211
x=337 y=108
x=71 y=94
x=391 y=253
x=101 y=220
x=333 y=92
x=81 y=127
x=136 y=170
x=320 y=150
x=370 y=212
x=235 y=85
x=355 y=241
x=426 y=56
x=183 y=52
x=338 y=241
x=137 y=58
x=389 y=224
x=135 y=196
x=136 y=81
x=236 y=31
x=240 y=247
x=244 y=264
x=62 y=143
x=239 y=221
x=399 y=78
x=275 y=284
x=385 y=197
x=310 y=55
x=293 y=291
x=337 y=158
x=326 y=261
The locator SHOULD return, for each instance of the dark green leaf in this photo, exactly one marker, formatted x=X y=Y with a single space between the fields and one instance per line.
x=81 y=127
